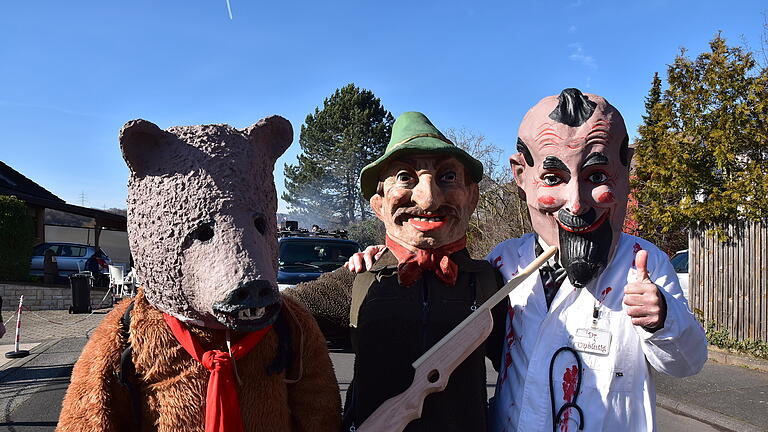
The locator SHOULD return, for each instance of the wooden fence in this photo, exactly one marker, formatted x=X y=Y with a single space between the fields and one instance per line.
x=728 y=282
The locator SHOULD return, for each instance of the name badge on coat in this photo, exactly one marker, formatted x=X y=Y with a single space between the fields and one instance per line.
x=592 y=340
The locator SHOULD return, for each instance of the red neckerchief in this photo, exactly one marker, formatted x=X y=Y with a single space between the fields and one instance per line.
x=411 y=265
x=222 y=407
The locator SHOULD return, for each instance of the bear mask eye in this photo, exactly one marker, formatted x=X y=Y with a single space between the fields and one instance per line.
x=260 y=222
x=203 y=233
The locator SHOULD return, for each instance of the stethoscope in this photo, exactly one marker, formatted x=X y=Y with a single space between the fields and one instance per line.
x=557 y=415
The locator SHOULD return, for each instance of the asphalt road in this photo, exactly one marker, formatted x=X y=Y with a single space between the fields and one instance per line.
x=737 y=392
x=33 y=402
x=41 y=411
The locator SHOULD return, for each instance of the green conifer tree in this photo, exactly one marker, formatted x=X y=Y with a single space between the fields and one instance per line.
x=702 y=151
x=349 y=132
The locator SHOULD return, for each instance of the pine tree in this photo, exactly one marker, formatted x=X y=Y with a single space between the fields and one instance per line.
x=653 y=98
x=349 y=132
x=702 y=153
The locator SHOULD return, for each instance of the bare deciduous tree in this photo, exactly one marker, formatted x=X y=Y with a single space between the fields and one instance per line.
x=500 y=213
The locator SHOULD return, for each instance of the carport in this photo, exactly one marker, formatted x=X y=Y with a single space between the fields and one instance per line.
x=38 y=199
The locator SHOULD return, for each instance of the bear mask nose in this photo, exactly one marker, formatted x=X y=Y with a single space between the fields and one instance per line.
x=253 y=294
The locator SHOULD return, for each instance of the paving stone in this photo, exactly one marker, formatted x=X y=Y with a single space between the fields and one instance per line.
x=43 y=325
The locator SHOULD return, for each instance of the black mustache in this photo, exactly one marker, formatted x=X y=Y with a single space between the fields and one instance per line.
x=577 y=221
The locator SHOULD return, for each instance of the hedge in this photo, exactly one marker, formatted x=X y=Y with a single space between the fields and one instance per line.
x=17 y=234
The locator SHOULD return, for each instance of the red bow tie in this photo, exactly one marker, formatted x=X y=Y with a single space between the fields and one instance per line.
x=411 y=265
x=222 y=407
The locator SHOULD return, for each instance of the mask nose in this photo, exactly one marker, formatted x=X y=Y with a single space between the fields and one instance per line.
x=258 y=293
x=426 y=194
x=576 y=203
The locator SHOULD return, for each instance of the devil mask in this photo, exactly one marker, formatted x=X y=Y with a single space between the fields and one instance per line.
x=573 y=170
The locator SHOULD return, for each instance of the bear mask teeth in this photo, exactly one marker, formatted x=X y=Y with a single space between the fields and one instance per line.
x=250 y=313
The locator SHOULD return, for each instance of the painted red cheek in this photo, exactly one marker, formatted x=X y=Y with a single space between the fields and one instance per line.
x=605 y=197
x=547 y=200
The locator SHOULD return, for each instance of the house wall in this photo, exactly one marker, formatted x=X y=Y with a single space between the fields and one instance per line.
x=43 y=297
x=38 y=215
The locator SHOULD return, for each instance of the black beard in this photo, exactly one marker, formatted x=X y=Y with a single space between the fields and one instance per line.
x=584 y=256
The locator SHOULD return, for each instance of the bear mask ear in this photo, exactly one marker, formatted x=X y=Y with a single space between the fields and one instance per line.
x=274 y=132
x=139 y=140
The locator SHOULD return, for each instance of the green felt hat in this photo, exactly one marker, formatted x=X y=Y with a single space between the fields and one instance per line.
x=413 y=133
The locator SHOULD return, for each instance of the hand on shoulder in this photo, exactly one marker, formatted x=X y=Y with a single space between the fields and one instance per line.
x=362 y=261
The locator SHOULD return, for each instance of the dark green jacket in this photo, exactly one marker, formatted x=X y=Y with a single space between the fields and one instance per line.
x=397 y=324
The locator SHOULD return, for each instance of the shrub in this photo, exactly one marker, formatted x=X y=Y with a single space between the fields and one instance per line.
x=16 y=239
x=722 y=339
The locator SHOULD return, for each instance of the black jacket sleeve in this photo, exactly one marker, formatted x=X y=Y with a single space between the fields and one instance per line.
x=495 y=342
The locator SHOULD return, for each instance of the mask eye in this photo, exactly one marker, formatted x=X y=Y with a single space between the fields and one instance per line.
x=598 y=177
x=404 y=177
x=448 y=177
x=552 y=179
x=260 y=222
x=203 y=233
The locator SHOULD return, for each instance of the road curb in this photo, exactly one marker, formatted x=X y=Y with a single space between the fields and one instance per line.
x=733 y=359
x=705 y=415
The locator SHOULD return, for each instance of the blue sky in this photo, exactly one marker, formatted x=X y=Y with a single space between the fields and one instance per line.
x=72 y=73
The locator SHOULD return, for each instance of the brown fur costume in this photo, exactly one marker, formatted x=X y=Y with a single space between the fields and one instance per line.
x=173 y=385
x=201 y=226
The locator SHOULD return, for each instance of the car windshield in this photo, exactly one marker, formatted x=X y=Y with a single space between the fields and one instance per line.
x=680 y=262
x=317 y=255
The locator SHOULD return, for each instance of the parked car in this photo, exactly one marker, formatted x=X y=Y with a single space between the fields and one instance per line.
x=304 y=259
x=72 y=258
x=680 y=263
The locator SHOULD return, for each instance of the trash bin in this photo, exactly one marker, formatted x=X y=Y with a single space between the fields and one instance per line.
x=81 y=284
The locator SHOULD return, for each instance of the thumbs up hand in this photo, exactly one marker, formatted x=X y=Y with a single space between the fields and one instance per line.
x=646 y=305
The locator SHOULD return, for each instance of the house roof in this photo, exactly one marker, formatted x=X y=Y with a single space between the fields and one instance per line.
x=14 y=181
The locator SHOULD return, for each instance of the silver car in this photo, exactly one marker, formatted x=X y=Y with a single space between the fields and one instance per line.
x=71 y=258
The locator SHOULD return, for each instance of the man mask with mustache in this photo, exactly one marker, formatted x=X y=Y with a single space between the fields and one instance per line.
x=424 y=189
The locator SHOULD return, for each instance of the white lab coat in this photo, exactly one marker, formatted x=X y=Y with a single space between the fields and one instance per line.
x=617 y=391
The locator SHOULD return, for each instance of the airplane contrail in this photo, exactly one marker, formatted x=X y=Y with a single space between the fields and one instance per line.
x=229 y=9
